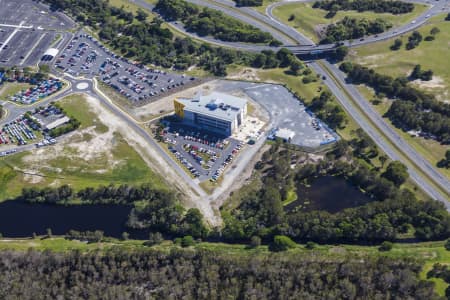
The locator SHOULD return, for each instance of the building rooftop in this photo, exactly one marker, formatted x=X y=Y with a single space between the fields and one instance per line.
x=217 y=105
x=285 y=134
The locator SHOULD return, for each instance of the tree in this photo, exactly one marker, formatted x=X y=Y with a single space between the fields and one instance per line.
x=282 y=243
x=187 y=241
x=397 y=44
x=383 y=159
x=255 y=241
x=295 y=67
x=417 y=71
x=49 y=232
x=396 y=172
x=155 y=238
x=385 y=246
x=310 y=245
x=447 y=245
x=434 y=31
x=125 y=235
x=194 y=223
x=141 y=15
x=340 y=53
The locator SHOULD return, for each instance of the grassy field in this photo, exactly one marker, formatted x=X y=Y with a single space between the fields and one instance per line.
x=11 y=88
x=430 y=55
x=430 y=252
x=67 y=163
x=307 y=19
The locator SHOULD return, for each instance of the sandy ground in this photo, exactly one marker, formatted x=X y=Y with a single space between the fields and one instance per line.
x=165 y=105
x=154 y=161
x=250 y=74
x=231 y=184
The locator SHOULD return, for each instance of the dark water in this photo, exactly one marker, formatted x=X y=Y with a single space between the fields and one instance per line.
x=328 y=193
x=18 y=219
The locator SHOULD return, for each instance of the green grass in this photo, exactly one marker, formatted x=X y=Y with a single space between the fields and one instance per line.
x=11 y=88
x=70 y=168
x=77 y=107
x=431 y=150
x=291 y=197
x=429 y=252
x=430 y=55
x=307 y=19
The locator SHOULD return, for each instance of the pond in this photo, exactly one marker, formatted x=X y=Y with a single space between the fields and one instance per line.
x=328 y=193
x=19 y=219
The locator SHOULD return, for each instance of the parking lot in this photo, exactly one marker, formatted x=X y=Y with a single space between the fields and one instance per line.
x=25 y=48
x=27 y=30
x=28 y=128
x=85 y=56
x=203 y=154
x=285 y=110
x=33 y=14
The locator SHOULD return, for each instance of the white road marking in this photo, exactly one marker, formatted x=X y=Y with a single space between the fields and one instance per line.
x=17 y=26
x=32 y=49
x=10 y=37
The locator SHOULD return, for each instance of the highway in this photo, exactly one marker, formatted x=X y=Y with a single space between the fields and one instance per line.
x=437 y=7
x=366 y=120
x=387 y=130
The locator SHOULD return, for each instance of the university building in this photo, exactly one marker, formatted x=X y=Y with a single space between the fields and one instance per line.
x=216 y=112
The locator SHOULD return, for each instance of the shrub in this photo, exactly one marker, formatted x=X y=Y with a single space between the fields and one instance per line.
x=187 y=241
x=281 y=243
x=385 y=246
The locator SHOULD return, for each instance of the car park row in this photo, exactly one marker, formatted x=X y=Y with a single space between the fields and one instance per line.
x=43 y=89
x=138 y=83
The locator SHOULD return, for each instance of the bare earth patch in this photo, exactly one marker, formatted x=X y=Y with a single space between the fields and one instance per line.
x=249 y=74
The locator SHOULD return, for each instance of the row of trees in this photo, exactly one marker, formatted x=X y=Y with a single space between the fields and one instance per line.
x=22 y=75
x=150 y=43
x=205 y=21
x=157 y=210
x=379 y=6
x=413 y=109
x=351 y=28
x=201 y=274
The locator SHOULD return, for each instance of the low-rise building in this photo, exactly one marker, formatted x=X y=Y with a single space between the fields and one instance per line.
x=216 y=112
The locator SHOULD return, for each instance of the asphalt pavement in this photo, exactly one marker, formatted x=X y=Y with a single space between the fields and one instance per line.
x=381 y=124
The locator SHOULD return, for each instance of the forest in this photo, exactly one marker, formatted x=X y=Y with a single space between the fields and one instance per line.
x=412 y=108
x=379 y=6
x=149 y=42
x=202 y=274
x=392 y=211
x=153 y=209
x=205 y=21
x=352 y=28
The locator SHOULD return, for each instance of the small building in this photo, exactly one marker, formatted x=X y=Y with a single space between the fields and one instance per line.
x=216 y=112
x=285 y=134
x=50 y=54
x=57 y=123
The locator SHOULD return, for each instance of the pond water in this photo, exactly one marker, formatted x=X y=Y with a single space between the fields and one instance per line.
x=19 y=219
x=328 y=193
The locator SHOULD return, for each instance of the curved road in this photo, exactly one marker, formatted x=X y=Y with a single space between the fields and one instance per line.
x=437 y=7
